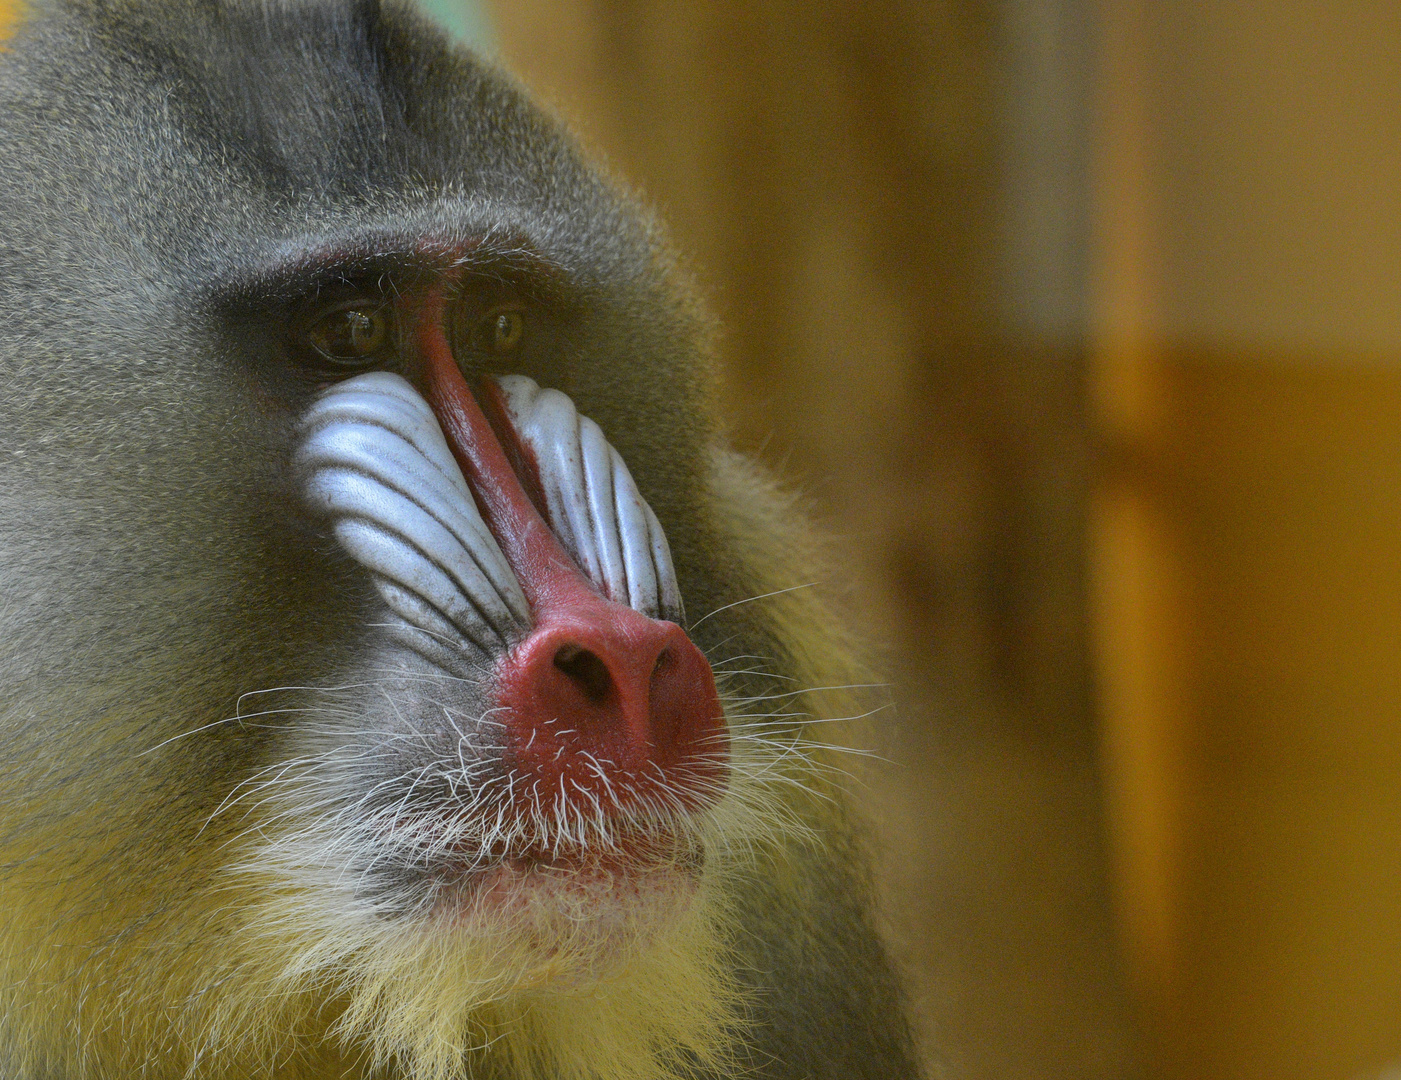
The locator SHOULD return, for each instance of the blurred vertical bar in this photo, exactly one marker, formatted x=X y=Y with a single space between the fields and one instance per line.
x=1137 y=598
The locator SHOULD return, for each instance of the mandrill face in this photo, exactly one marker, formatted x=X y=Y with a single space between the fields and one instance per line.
x=549 y=729
x=358 y=462
x=497 y=796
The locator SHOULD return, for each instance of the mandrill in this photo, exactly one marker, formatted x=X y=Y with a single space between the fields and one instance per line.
x=398 y=676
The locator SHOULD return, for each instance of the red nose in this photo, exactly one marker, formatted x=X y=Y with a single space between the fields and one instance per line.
x=602 y=705
x=604 y=701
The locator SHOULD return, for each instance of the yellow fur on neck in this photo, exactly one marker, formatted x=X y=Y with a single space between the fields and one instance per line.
x=297 y=985
x=433 y=999
x=232 y=960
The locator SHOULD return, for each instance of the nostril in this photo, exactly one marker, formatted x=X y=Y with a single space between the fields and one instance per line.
x=587 y=670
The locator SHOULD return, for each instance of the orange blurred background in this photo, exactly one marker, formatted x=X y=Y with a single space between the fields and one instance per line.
x=1079 y=324
x=1247 y=525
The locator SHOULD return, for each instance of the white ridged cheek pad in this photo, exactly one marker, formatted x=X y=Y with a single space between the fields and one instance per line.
x=594 y=506
x=376 y=464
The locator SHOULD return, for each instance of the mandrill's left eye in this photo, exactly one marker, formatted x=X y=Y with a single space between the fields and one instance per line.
x=500 y=330
x=354 y=334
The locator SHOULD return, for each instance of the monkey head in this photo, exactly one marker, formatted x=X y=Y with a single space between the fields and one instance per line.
x=548 y=713
x=357 y=462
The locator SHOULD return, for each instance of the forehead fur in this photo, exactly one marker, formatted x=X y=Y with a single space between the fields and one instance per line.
x=341 y=93
x=246 y=125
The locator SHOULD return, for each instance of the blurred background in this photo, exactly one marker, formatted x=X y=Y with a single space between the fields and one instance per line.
x=1078 y=323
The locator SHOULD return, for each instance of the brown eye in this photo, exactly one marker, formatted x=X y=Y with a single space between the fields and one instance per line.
x=352 y=334
x=500 y=331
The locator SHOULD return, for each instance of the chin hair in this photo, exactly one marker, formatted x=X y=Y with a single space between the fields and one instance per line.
x=554 y=991
x=251 y=954
x=576 y=977
x=270 y=979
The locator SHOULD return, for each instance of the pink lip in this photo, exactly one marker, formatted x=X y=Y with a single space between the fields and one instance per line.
x=620 y=891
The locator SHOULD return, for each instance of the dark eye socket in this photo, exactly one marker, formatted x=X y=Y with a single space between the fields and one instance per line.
x=352 y=334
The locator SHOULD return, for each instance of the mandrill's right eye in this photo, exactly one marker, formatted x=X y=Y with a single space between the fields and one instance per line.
x=353 y=334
